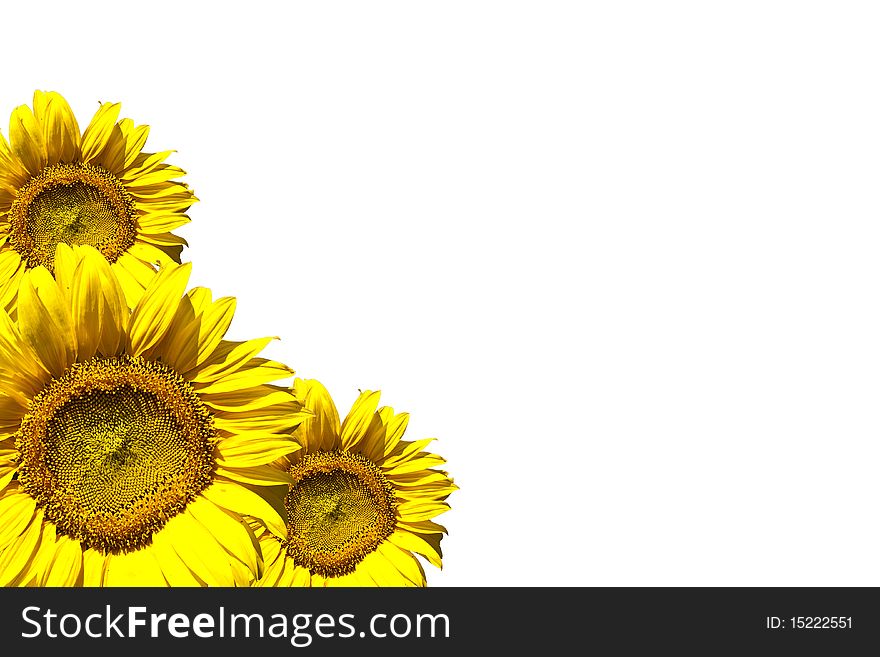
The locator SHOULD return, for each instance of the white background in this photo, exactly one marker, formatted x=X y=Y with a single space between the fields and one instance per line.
x=621 y=258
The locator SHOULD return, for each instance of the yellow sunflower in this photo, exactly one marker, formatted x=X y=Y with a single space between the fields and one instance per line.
x=131 y=440
x=361 y=501
x=96 y=188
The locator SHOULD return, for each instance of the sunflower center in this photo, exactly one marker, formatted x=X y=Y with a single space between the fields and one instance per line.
x=114 y=448
x=73 y=204
x=339 y=508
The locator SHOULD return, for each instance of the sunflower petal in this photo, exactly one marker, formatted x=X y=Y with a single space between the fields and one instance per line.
x=44 y=323
x=155 y=311
x=66 y=566
x=136 y=568
x=229 y=357
x=16 y=512
x=382 y=571
x=135 y=142
x=199 y=550
x=355 y=425
x=175 y=571
x=87 y=305
x=60 y=129
x=229 y=531
x=418 y=510
x=14 y=560
x=246 y=457
x=241 y=500
x=253 y=373
x=26 y=137
x=321 y=432
x=415 y=543
x=98 y=132
x=94 y=567
x=257 y=475
x=403 y=561
x=215 y=322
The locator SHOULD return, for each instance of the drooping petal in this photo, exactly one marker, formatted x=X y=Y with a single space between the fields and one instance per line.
x=26 y=137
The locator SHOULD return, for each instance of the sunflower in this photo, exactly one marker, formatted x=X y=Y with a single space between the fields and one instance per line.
x=132 y=440
x=96 y=188
x=361 y=501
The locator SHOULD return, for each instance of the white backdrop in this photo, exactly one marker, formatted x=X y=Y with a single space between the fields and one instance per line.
x=620 y=258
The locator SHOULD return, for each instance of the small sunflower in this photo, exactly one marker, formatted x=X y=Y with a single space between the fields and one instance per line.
x=96 y=188
x=361 y=501
x=131 y=440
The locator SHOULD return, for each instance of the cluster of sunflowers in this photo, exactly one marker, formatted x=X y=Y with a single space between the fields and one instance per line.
x=138 y=447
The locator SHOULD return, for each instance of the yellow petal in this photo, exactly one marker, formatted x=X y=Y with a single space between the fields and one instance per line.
x=405 y=562
x=151 y=254
x=60 y=129
x=241 y=500
x=213 y=326
x=229 y=531
x=141 y=271
x=65 y=264
x=66 y=566
x=132 y=290
x=112 y=158
x=406 y=451
x=155 y=311
x=422 y=527
x=41 y=317
x=415 y=543
x=114 y=315
x=229 y=357
x=417 y=510
x=274 y=567
x=257 y=475
x=382 y=571
x=16 y=513
x=372 y=445
x=87 y=305
x=26 y=138
x=300 y=576
x=199 y=550
x=137 y=568
x=418 y=463
x=355 y=425
x=40 y=565
x=248 y=399
x=10 y=262
x=282 y=418
x=98 y=132
x=94 y=565
x=14 y=560
x=320 y=432
x=252 y=373
x=396 y=426
x=161 y=223
x=260 y=452
x=134 y=144
x=175 y=571
x=144 y=163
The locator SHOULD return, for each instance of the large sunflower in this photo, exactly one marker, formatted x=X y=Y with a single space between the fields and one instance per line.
x=130 y=439
x=96 y=188
x=361 y=501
